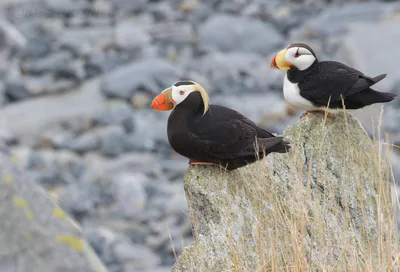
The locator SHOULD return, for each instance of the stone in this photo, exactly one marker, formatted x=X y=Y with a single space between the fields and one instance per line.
x=115 y=113
x=129 y=35
x=130 y=194
x=86 y=198
x=358 y=49
x=163 y=11
x=83 y=41
x=173 y=32
x=37 y=47
x=66 y=7
x=336 y=19
x=27 y=119
x=226 y=33
x=235 y=72
x=27 y=209
x=16 y=90
x=319 y=200
x=3 y=97
x=126 y=6
x=52 y=62
x=150 y=131
x=103 y=62
x=152 y=75
x=84 y=143
x=112 y=142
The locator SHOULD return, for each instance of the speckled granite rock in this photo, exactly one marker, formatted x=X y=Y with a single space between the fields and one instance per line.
x=313 y=207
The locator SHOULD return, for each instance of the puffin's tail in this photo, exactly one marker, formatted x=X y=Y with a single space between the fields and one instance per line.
x=368 y=97
x=378 y=78
x=281 y=145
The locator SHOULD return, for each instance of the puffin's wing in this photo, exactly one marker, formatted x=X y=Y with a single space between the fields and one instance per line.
x=230 y=139
x=335 y=80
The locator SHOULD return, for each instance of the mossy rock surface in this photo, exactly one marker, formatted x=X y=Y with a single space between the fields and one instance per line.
x=323 y=206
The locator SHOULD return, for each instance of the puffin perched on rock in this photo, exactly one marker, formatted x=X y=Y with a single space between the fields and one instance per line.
x=211 y=134
x=313 y=85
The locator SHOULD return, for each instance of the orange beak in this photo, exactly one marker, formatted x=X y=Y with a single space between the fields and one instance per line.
x=273 y=63
x=163 y=101
x=279 y=62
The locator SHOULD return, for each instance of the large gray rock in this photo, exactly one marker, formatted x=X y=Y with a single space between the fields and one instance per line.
x=236 y=72
x=363 y=48
x=336 y=19
x=321 y=206
x=27 y=120
x=39 y=235
x=151 y=75
x=130 y=35
x=226 y=33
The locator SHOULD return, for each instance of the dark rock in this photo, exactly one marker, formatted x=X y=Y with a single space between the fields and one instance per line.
x=87 y=142
x=3 y=97
x=87 y=197
x=52 y=62
x=199 y=13
x=163 y=11
x=113 y=141
x=16 y=90
x=53 y=168
x=116 y=251
x=127 y=6
x=37 y=85
x=37 y=47
x=66 y=7
x=234 y=33
x=102 y=62
x=152 y=75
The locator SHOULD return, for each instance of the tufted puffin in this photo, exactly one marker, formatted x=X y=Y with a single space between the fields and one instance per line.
x=313 y=85
x=212 y=134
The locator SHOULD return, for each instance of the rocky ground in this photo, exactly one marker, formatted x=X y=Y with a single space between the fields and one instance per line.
x=77 y=78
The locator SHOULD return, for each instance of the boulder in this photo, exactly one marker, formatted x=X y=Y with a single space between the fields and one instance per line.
x=39 y=235
x=323 y=206
x=226 y=33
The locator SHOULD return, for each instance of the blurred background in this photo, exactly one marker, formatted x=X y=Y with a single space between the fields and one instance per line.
x=77 y=78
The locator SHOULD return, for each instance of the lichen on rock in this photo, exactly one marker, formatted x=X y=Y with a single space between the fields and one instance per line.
x=324 y=205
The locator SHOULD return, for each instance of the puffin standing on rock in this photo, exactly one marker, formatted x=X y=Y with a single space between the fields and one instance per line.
x=211 y=134
x=320 y=86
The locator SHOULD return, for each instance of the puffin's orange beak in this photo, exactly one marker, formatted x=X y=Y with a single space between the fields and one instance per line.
x=273 y=63
x=163 y=101
x=279 y=62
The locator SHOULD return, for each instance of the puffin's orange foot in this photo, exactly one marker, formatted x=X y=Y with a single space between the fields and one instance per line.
x=304 y=114
x=197 y=162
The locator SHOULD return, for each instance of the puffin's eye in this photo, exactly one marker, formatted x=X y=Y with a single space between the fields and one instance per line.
x=297 y=54
x=181 y=92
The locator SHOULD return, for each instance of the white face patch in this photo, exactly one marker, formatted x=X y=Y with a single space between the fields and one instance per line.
x=300 y=57
x=179 y=93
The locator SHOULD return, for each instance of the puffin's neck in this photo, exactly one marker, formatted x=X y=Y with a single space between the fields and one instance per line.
x=185 y=113
x=294 y=75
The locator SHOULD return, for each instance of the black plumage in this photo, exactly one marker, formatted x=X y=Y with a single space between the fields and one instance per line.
x=329 y=81
x=222 y=135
